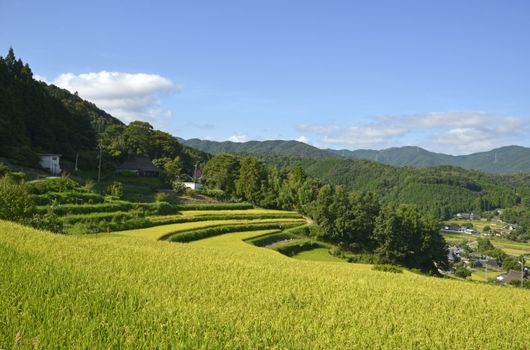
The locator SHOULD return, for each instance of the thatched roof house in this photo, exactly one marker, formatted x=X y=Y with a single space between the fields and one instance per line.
x=140 y=165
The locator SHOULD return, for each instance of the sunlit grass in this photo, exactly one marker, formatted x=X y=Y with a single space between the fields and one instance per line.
x=119 y=291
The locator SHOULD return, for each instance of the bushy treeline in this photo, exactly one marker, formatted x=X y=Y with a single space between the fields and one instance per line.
x=441 y=191
x=140 y=138
x=356 y=221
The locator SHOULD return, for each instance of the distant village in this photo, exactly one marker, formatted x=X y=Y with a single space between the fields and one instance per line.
x=464 y=255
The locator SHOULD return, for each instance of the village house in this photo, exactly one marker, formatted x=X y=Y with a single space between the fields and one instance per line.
x=192 y=185
x=468 y=216
x=50 y=162
x=139 y=165
x=512 y=276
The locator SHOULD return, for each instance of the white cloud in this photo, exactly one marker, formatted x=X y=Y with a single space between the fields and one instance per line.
x=303 y=139
x=365 y=136
x=239 y=138
x=127 y=96
x=447 y=132
x=40 y=78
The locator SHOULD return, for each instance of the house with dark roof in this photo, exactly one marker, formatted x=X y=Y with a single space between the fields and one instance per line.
x=139 y=165
x=512 y=276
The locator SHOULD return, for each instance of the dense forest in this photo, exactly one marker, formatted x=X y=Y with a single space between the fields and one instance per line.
x=441 y=191
x=31 y=120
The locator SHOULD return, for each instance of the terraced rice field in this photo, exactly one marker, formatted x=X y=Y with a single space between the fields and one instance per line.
x=124 y=292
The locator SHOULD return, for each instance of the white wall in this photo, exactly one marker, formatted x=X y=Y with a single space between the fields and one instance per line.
x=51 y=162
x=192 y=185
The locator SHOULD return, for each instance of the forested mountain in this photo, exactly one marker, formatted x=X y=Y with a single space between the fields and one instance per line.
x=277 y=147
x=442 y=191
x=31 y=120
x=99 y=119
x=505 y=160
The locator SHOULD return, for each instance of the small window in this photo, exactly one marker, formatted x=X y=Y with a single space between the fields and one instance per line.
x=54 y=158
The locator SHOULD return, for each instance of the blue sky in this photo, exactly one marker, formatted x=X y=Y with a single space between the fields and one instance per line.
x=449 y=76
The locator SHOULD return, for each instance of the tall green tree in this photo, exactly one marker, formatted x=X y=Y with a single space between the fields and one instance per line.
x=222 y=172
x=252 y=177
x=405 y=237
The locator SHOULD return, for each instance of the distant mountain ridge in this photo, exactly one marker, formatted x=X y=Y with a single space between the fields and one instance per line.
x=504 y=160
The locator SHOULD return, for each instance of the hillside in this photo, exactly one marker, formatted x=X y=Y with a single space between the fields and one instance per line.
x=276 y=147
x=225 y=293
x=31 y=120
x=99 y=119
x=442 y=191
x=504 y=160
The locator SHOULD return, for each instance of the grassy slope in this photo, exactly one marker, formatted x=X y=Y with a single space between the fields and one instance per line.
x=123 y=292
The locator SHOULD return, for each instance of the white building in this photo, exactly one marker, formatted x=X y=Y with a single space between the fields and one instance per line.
x=50 y=162
x=192 y=185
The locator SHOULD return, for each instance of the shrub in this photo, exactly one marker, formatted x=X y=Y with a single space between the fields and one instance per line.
x=48 y=221
x=223 y=206
x=271 y=238
x=291 y=249
x=178 y=187
x=15 y=201
x=363 y=259
x=387 y=268
x=161 y=208
x=161 y=197
x=61 y=184
x=214 y=193
x=115 y=189
x=68 y=197
x=462 y=271
x=89 y=186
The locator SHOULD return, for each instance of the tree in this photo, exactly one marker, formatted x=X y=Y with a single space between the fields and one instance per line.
x=222 y=172
x=406 y=238
x=251 y=178
x=138 y=137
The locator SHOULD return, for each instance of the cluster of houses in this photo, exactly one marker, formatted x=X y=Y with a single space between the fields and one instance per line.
x=138 y=165
x=455 y=228
x=475 y=261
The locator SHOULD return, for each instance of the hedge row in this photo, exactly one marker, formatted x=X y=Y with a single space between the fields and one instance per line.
x=161 y=208
x=222 y=206
x=195 y=235
x=108 y=226
x=194 y=218
x=295 y=247
x=272 y=238
x=95 y=218
x=69 y=197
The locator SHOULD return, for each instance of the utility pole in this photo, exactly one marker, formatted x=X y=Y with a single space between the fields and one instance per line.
x=486 y=275
x=76 y=160
x=100 y=128
x=99 y=165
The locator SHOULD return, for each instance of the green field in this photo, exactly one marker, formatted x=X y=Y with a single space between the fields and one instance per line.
x=119 y=291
